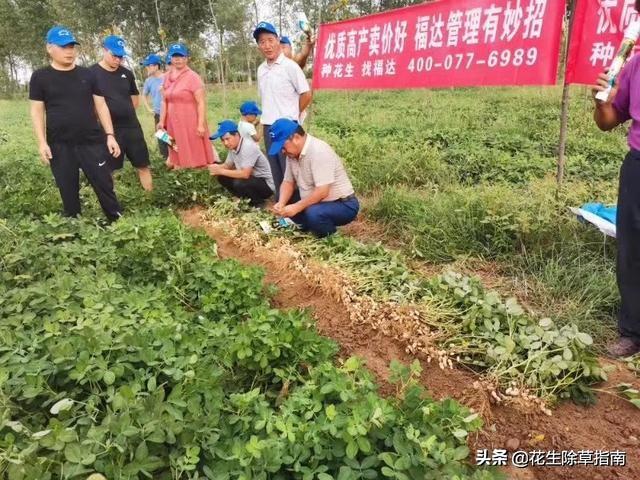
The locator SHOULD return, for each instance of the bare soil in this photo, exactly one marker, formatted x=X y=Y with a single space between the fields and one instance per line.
x=612 y=424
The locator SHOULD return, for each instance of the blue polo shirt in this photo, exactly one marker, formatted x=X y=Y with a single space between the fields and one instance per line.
x=153 y=86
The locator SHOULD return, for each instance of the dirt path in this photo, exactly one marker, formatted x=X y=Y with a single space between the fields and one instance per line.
x=612 y=424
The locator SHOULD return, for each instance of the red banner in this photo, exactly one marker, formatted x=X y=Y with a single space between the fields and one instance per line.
x=598 y=27
x=443 y=44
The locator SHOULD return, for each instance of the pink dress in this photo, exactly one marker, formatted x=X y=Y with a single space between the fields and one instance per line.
x=182 y=120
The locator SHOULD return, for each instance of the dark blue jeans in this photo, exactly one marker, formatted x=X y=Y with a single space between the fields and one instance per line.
x=322 y=218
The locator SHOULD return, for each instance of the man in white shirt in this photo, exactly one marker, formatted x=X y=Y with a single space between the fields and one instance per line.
x=327 y=199
x=283 y=89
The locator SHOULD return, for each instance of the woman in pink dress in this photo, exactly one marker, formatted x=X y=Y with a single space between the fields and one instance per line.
x=183 y=113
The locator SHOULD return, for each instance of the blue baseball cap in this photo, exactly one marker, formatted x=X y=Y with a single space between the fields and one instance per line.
x=285 y=41
x=151 y=59
x=115 y=45
x=168 y=59
x=280 y=132
x=264 y=27
x=178 y=49
x=61 y=36
x=224 y=127
x=250 y=108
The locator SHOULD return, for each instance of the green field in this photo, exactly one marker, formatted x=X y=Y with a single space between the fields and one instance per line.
x=459 y=175
x=134 y=351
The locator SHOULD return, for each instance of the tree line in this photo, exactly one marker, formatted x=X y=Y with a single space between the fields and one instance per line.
x=218 y=32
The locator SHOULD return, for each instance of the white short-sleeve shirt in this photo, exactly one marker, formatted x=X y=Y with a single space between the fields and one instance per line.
x=247 y=130
x=280 y=85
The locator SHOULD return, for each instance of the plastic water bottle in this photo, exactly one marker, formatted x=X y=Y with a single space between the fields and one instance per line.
x=631 y=35
x=303 y=23
x=164 y=136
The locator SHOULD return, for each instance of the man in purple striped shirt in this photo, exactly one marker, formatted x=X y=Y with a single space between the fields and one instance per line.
x=624 y=105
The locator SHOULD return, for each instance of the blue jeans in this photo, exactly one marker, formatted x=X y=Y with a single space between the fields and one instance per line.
x=322 y=218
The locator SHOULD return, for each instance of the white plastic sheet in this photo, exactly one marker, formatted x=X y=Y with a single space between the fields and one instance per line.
x=603 y=225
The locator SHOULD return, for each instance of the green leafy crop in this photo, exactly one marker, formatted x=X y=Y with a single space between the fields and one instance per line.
x=133 y=351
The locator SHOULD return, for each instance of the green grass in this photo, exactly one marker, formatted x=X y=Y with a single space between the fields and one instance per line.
x=134 y=351
x=472 y=324
x=469 y=173
x=453 y=174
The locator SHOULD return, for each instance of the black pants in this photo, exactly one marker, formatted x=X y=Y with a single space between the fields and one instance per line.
x=133 y=146
x=628 y=239
x=255 y=189
x=163 y=147
x=278 y=164
x=92 y=159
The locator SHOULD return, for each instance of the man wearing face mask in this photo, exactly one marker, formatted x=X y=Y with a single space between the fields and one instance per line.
x=121 y=93
x=283 y=89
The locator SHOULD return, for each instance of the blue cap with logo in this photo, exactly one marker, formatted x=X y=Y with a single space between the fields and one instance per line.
x=151 y=59
x=61 y=36
x=285 y=41
x=280 y=132
x=264 y=27
x=250 y=108
x=224 y=127
x=178 y=49
x=115 y=45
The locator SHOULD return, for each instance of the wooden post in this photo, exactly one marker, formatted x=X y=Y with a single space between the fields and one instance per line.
x=564 y=112
x=563 y=136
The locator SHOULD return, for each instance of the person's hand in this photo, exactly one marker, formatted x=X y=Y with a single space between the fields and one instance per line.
x=45 y=153
x=112 y=145
x=214 y=169
x=602 y=83
x=290 y=210
x=160 y=126
x=311 y=39
x=201 y=130
x=277 y=208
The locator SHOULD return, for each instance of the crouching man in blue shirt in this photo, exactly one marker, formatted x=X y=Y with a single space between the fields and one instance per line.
x=327 y=198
